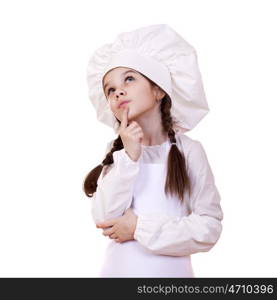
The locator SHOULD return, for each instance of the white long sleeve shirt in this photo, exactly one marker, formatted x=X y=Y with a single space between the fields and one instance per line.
x=164 y=225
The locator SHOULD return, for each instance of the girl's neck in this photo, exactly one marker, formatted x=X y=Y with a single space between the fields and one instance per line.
x=154 y=140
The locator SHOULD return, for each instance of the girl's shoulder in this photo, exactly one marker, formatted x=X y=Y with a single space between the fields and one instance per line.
x=186 y=142
x=194 y=152
x=109 y=146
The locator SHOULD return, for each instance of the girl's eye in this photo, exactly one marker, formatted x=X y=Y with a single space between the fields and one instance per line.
x=125 y=79
x=129 y=77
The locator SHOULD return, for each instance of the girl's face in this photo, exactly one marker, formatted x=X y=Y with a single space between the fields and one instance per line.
x=121 y=84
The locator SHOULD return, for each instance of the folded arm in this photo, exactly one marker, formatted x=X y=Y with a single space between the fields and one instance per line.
x=115 y=184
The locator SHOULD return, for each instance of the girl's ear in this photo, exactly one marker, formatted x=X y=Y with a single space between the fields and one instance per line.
x=159 y=93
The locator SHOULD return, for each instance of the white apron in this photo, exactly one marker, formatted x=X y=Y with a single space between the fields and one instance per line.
x=130 y=258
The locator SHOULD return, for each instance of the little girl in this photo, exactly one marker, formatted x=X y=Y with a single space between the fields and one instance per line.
x=154 y=193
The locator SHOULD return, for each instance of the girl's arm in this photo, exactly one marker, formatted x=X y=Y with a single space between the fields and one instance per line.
x=113 y=195
x=197 y=232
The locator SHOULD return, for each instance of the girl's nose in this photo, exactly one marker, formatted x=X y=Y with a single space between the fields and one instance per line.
x=119 y=93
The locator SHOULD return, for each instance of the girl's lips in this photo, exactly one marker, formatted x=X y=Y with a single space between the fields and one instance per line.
x=123 y=103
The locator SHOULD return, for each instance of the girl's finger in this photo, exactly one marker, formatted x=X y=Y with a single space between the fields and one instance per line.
x=107 y=232
x=124 y=121
x=136 y=130
x=107 y=223
x=113 y=236
x=134 y=125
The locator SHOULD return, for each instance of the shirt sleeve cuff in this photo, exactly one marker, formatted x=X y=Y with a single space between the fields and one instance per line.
x=147 y=224
x=126 y=159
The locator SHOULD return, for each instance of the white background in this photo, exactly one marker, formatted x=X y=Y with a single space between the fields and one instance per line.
x=50 y=138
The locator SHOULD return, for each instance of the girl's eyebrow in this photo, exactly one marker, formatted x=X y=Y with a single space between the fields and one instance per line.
x=129 y=71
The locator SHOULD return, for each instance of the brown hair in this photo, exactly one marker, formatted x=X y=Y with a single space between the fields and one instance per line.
x=177 y=180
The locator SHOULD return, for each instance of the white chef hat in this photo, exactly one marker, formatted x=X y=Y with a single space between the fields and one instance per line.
x=162 y=55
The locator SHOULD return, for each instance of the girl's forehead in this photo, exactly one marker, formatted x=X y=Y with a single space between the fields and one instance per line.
x=115 y=72
x=118 y=71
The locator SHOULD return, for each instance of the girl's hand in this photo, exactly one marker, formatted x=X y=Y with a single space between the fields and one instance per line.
x=131 y=136
x=121 y=229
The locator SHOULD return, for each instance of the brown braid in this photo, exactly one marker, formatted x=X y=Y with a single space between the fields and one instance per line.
x=90 y=182
x=177 y=180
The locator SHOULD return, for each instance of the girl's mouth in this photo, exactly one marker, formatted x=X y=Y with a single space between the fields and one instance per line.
x=123 y=103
